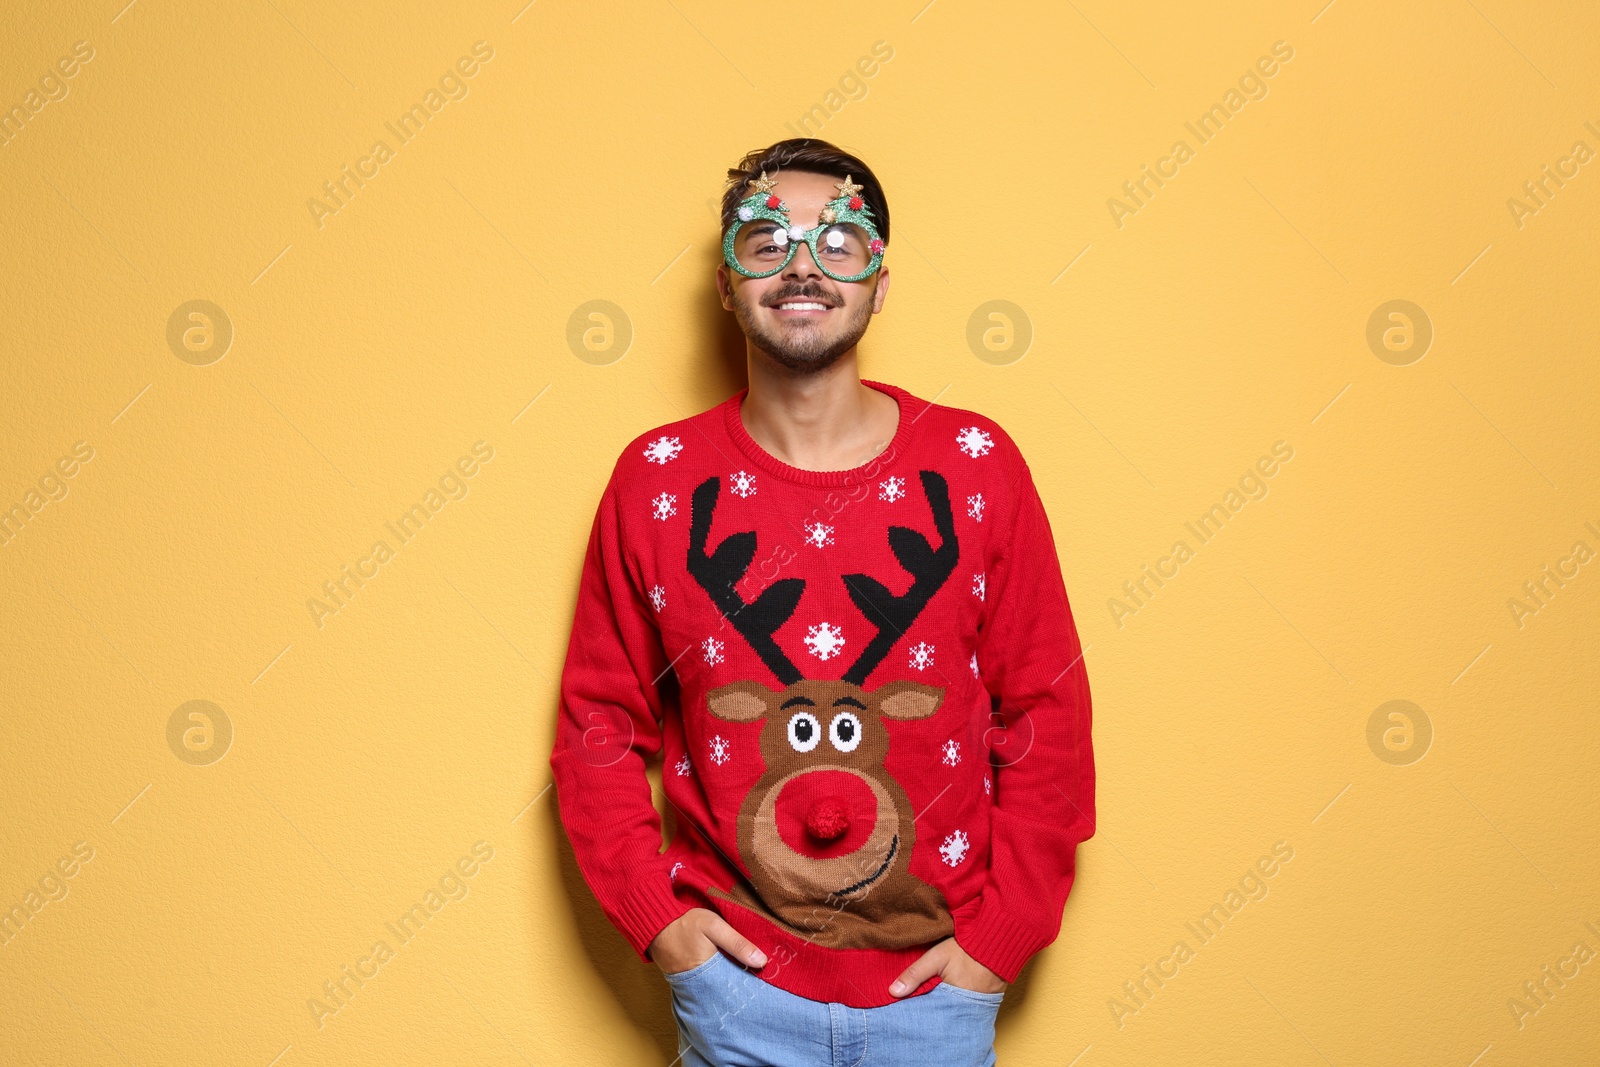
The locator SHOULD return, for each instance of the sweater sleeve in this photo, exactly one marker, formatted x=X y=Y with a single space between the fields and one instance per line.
x=611 y=708
x=1031 y=662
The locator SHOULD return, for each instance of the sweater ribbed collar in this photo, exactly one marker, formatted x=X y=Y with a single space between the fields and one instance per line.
x=911 y=410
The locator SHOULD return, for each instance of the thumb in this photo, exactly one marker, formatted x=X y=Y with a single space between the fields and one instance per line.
x=926 y=966
x=734 y=943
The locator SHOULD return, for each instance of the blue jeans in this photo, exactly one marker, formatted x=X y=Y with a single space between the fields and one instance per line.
x=729 y=1017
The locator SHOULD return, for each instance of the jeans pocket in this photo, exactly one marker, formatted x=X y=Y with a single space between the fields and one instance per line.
x=678 y=978
x=722 y=1012
x=992 y=999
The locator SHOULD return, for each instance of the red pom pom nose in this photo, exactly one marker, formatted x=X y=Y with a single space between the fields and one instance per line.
x=826 y=812
x=827 y=819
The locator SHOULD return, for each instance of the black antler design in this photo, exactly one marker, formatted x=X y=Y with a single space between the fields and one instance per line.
x=891 y=614
x=722 y=569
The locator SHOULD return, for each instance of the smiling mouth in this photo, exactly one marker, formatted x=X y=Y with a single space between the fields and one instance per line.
x=801 y=306
x=894 y=846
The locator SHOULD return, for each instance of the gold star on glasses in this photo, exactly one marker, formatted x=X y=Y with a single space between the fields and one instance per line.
x=848 y=187
x=762 y=184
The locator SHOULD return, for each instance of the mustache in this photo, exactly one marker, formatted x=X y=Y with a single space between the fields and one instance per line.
x=790 y=295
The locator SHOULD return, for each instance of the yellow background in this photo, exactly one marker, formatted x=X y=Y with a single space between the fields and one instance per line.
x=431 y=312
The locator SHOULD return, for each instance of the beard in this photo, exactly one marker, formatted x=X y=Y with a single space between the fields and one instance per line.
x=803 y=346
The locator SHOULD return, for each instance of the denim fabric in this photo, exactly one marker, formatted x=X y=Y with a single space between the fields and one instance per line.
x=728 y=1017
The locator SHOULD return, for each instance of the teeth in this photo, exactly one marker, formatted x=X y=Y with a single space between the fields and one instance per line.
x=803 y=307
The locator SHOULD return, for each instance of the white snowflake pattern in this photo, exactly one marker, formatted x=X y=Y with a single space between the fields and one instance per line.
x=973 y=663
x=986 y=783
x=892 y=489
x=663 y=449
x=673 y=874
x=743 y=483
x=824 y=640
x=658 y=597
x=713 y=651
x=975 y=506
x=974 y=441
x=954 y=849
x=720 y=750
x=979 y=584
x=819 y=534
x=922 y=655
x=952 y=752
x=683 y=766
x=664 y=506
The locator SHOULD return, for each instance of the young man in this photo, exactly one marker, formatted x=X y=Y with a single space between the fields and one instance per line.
x=838 y=609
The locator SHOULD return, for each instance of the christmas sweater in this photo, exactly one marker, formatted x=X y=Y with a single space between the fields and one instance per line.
x=866 y=687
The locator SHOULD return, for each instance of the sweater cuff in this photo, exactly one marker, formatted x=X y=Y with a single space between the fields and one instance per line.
x=647 y=907
x=996 y=939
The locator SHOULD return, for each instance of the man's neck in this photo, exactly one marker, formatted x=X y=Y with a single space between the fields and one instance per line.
x=827 y=421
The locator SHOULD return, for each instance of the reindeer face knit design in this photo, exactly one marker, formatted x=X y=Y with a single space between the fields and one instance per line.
x=866 y=687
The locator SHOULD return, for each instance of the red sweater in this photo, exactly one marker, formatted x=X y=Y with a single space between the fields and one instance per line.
x=867 y=687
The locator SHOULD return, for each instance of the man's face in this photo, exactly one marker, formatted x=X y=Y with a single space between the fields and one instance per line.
x=779 y=314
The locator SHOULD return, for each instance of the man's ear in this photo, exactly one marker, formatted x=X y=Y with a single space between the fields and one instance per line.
x=724 y=287
x=881 y=290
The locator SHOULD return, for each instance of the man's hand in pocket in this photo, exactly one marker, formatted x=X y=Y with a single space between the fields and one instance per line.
x=693 y=937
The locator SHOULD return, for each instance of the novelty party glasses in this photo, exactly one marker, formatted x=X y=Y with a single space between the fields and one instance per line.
x=844 y=243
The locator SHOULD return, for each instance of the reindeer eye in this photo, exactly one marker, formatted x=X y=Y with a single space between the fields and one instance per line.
x=804 y=731
x=845 y=732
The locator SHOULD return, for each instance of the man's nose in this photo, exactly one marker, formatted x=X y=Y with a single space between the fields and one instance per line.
x=803 y=265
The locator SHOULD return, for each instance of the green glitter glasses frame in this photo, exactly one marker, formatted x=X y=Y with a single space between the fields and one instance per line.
x=761 y=241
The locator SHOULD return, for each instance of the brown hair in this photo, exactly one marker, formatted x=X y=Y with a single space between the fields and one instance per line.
x=809 y=154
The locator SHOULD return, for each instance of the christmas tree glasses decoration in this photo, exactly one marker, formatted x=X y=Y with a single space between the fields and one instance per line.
x=844 y=243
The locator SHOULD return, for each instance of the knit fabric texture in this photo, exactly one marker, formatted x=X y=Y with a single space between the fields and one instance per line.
x=866 y=689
